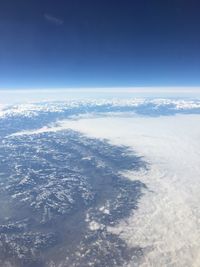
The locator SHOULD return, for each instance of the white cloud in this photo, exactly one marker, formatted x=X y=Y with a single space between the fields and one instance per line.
x=53 y=20
x=167 y=223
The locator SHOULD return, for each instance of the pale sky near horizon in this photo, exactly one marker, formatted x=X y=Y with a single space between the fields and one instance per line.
x=36 y=95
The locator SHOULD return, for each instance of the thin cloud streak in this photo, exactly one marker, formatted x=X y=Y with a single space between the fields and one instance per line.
x=53 y=20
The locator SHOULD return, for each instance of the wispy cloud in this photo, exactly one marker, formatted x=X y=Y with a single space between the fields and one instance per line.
x=53 y=20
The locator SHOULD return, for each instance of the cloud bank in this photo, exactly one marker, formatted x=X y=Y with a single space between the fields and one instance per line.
x=166 y=224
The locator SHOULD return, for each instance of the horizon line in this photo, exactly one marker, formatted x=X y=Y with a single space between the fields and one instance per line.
x=125 y=89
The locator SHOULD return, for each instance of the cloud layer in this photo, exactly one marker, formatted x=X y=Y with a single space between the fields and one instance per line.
x=166 y=224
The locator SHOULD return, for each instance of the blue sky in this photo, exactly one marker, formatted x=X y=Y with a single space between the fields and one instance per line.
x=93 y=43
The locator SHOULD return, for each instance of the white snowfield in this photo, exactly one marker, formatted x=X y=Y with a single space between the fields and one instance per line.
x=167 y=222
x=31 y=109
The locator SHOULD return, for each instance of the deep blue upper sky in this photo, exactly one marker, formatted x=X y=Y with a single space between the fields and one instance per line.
x=86 y=43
